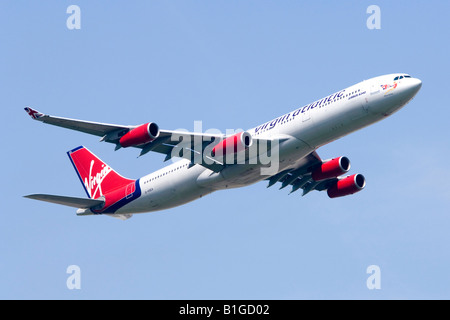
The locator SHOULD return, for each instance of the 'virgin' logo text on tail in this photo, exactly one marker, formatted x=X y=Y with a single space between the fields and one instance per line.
x=96 y=181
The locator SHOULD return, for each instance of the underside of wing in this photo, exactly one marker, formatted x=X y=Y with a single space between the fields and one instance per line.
x=315 y=174
x=212 y=151
x=197 y=147
x=80 y=203
x=146 y=137
x=189 y=145
x=299 y=177
x=90 y=127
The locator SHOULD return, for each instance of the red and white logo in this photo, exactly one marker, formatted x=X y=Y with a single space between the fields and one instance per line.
x=93 y=183
x=33 y=113
x=97 y=177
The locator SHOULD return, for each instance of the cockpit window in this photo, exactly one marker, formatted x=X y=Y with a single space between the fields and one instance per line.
x=401 y=77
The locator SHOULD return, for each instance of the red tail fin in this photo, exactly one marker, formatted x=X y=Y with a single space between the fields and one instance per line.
x=96 y=176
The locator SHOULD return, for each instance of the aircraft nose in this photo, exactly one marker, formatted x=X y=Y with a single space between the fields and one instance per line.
x=414 y=86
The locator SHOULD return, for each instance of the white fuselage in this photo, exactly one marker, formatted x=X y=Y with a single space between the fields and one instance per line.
x=300 y=132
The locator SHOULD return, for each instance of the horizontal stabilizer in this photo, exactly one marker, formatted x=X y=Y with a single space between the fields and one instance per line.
x=81 y=203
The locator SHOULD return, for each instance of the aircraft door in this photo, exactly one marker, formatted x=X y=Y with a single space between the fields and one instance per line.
x=306 y=115
x=371 y=90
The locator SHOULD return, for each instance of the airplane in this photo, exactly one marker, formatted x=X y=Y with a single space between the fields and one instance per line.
x=282 y=150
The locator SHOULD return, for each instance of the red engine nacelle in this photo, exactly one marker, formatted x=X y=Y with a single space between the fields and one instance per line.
x=347 y=186
x=233 y=144
x=141 y=135
x=331 y=169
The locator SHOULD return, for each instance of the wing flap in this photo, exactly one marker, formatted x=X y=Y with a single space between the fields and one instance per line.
x=300 y=177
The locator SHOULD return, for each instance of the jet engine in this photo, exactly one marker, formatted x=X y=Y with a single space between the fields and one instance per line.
x=140 y=135
x=233 y=144
x=331 y=169
x=347 y=186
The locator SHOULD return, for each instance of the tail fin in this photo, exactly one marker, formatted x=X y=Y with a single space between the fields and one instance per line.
x=96 y=176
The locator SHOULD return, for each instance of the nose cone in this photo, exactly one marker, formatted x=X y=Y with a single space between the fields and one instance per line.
x=413 y=86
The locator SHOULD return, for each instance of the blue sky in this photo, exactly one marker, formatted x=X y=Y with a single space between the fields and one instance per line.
x=230 y=64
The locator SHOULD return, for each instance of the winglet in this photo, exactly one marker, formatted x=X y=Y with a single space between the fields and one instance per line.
x=34 y=114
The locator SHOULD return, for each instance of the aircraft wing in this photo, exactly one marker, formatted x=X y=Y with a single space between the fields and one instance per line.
x=172 y=143
x=300 y=177
x=95 y=128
